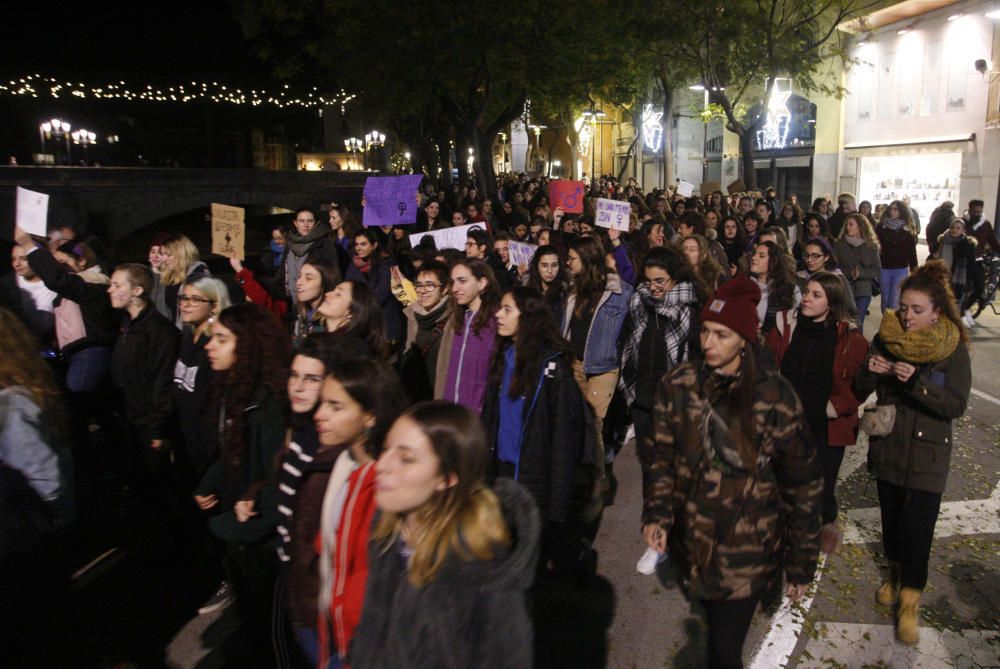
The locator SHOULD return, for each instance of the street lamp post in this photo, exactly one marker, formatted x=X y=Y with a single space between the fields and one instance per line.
x=84 y=138
x=592 y=115
x=57 y=130
x=373 y=142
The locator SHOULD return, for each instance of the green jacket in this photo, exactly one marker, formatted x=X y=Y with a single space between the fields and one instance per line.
x=265 y=437
x=917 y=453
x=730 y=531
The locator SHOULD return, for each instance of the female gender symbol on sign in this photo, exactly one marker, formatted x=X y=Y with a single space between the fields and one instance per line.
x=402 y=207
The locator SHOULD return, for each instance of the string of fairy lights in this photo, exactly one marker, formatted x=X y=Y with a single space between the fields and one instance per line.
x=38 y=86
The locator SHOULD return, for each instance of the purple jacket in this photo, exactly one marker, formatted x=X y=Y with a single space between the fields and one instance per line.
x=469 y=363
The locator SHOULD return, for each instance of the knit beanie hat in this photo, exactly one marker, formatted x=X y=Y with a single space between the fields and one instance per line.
x=735 y=306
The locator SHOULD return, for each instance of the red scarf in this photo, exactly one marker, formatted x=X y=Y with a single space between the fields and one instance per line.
x=364 y=265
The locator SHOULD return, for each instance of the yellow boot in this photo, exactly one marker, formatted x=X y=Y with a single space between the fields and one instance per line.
x=907 y=623
x=888 y=592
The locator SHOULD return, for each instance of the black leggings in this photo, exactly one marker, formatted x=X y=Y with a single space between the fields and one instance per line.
x=830 y=457
x=728 y=623
x=908 y=519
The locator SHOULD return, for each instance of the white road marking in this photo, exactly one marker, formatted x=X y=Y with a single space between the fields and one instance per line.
x=861 y=645
x=973 y=516
x=783 y=631
x=989 y=398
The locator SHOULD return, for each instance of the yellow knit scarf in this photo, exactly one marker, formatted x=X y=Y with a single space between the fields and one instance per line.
x=919 y=346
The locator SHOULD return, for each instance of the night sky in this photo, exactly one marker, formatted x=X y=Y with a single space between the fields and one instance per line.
x=143 y=41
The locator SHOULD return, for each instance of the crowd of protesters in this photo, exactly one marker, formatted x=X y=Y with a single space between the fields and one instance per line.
x=385 y=448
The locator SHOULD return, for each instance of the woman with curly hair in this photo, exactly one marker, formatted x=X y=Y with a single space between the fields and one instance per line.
x=247 y=351
x=33 y=427
x=771 y=269
x=919 y=367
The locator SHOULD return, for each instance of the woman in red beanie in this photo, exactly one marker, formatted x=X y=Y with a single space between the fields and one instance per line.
x=734 y=486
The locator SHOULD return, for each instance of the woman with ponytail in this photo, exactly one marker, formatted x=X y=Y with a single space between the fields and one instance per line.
x=450 y=560
x=919 y=366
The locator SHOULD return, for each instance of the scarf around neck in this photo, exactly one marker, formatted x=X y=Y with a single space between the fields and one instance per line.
x=300 y=245
x=894 y=223
x=854 y=241
x=676 y=309
x=919 y=346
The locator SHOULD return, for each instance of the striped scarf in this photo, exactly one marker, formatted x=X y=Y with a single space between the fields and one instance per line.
x=676 y=307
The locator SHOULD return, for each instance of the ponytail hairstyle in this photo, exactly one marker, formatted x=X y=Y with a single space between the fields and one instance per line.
x=465 y=518
x=933 y=279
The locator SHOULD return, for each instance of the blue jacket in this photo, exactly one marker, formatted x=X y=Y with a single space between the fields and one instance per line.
x=602 y=353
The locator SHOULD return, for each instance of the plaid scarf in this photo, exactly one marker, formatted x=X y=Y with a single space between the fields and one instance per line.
x=676 y=307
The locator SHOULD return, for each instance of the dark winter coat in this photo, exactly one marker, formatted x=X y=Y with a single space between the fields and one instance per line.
x=473 y=614
x=95 y=307
x=379 y=279
x=917 y=453
x=254 y=479
x=192 y=376
x=553 y=435
x=142 y=367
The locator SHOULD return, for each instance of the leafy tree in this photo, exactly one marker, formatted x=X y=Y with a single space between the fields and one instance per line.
x=739 y=48
x=441 y=63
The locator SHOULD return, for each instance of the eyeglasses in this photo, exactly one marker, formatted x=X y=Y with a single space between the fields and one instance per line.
x=813 y=256
x=193 y=300
x=659 y=283
x=427 y=287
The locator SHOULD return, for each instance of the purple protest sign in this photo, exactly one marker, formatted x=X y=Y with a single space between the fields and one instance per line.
x=391 y=200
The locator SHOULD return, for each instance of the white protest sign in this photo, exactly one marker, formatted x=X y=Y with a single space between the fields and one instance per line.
x=447 y=238
x=613 y=213
x=32 y=211
x=685 y=188
x=521 y=253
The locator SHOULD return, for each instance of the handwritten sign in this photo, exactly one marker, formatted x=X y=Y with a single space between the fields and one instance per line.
x=447 y=238
x=228 y=230
x=613 y=213
x=568 y=195
x=736 y=187
x=685 y=188
x=521 y=253
x=391 y=200
x=32 y=211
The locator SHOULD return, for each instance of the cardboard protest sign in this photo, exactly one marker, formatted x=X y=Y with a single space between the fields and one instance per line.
x=447 y=238
x=736 y=187
x=32 y=211
x=391 y=200
x=568 y=195
x=685 y=188
x=613 y=213
x=709 y=187
x=228 y=230
x=521 y=253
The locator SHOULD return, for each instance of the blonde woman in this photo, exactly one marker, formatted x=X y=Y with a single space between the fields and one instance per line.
x=180 y=261
x=451 y=560
x=857 y=249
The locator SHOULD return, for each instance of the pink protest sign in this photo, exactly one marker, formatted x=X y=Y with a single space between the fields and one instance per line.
x=566 y=194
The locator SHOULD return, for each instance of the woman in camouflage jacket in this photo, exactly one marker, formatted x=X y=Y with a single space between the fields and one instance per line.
x=734 y=507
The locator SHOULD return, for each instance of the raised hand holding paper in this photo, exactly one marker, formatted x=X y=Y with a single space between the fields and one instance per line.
x=391 y=200
x=32 y=211
x=613 y=214
x=521 y=253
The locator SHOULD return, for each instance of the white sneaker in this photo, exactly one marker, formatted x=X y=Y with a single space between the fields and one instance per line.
x=647 y=563
x=970 y=322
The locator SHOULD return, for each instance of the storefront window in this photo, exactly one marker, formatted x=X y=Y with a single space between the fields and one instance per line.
x=928 y=179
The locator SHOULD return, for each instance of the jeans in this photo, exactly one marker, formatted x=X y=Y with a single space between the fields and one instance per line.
x=728 y=623
x=891 y=279
x=908 y=519
x=86 y=369
x=862 y=303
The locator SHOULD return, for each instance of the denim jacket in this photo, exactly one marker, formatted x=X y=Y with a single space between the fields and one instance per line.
x=601 y=353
